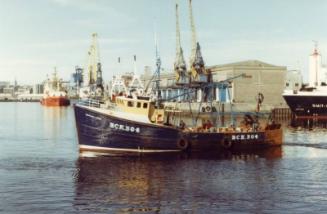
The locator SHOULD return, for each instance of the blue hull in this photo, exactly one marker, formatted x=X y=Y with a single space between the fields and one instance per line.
x=307 y=106
x=101 y=132
x=97 y=131
x=232 y=141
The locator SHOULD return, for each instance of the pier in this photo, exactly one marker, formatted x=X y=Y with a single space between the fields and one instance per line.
x=281 y=113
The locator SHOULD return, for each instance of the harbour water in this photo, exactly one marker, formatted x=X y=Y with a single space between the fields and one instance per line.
x=41 y=171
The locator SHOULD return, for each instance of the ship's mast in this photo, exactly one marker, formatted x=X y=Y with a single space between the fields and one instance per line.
x=179 y=65
x=197 y=69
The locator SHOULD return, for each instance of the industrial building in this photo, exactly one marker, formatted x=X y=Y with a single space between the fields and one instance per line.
x=259 y=77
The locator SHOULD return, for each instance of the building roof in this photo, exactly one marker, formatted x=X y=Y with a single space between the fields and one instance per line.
x=247 y=63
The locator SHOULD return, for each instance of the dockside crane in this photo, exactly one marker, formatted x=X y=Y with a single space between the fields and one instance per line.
x=179 y=65
x=94 y=66
x=197 y=68
x=93 y=81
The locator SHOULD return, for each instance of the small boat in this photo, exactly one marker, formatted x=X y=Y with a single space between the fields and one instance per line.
x=54 y=94
x=138 y=125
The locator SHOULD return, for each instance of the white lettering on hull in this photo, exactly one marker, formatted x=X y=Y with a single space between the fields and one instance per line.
x=321 y=105
x=124 y=128
x=245 y=137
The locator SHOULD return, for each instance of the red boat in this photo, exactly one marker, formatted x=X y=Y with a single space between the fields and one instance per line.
x=54 y=93
x=55 y=101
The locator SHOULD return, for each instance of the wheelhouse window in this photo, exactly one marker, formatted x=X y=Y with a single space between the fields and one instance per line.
x=130 y=104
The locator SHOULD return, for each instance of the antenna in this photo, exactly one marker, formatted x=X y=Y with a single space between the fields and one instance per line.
x=135 y=67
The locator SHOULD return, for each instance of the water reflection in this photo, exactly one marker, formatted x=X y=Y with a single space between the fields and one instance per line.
x=53 y=117
x=171 y=183
x=308 y=123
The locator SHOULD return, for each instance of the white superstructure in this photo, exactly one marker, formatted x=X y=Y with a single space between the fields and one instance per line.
x=316 y=75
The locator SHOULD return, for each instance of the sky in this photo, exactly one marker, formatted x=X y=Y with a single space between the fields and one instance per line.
x=38 y=35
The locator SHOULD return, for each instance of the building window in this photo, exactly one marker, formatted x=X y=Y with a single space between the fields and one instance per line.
x=145 y=105
x=138 y=105
x=296 y=84
x=130 y=104
x=287 y=84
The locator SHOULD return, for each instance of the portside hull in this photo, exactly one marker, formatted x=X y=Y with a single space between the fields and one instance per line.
x=104 y=133
x=235 y=140
x=307 y=106
x=55 y=101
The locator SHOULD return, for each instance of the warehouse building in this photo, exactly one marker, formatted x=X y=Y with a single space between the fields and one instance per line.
x=259 y=77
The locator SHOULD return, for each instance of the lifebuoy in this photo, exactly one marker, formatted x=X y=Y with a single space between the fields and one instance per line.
x=182 y=144
x=226 y=143
x=208 y=109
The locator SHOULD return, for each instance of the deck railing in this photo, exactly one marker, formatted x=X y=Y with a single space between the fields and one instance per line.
x=90 y=102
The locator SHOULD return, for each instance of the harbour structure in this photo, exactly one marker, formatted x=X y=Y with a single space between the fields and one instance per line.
x=54 y=93
x=92 y=79
x=237 y=95
x=263 y=78
x=182 y=76
x=197 y=70
x=310 y=100
x=75 y=82
x=242 y=97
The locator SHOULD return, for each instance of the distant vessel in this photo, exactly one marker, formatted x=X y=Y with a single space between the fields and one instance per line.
x=308 y=102
x=311 y=100
x=54 y=94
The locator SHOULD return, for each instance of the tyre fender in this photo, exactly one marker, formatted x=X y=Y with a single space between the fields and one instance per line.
x=183 y=143
x=226 y=143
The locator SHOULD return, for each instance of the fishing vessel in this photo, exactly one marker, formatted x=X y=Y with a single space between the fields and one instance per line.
x=142 y=123
x=310 y=100
x=54 y=93
x=138 y=125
